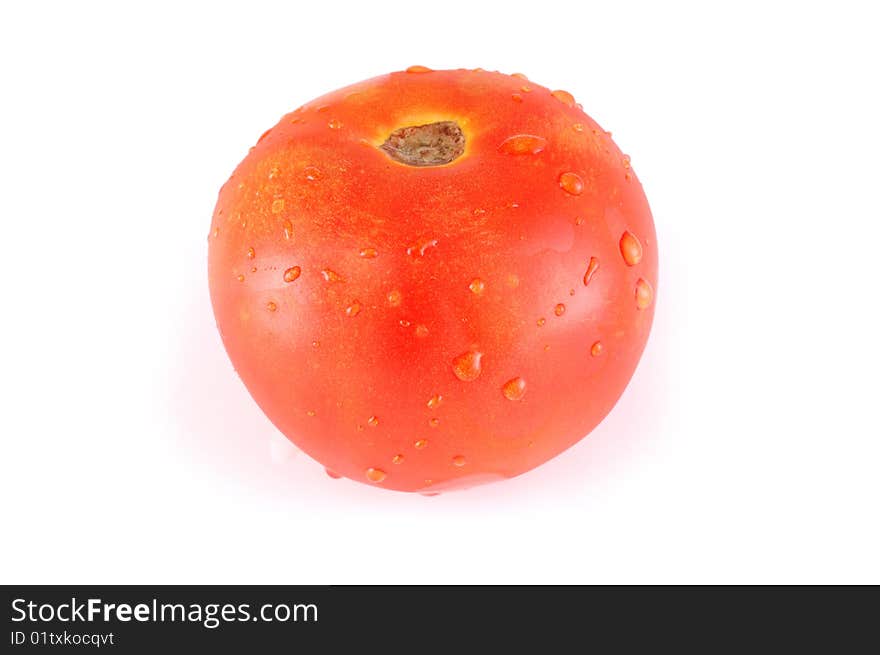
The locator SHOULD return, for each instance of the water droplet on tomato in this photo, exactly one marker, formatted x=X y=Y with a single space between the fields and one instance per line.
x=334 y=124
x=312 y=173
x=564 y=97
x=271 y=306
x=292 y=273
x=541 y=321
x=578 y=127
x=332 y=474
x=630 y=248
x=368 y=253
x=394 y=298
x=592 y=267
x=523 y=144
x=627 y=161
x=459 y=461
x=467 y=366
x=434 y=401
x=520 y=76
x=434 y=422
x=421 y=331
x=239 y=277
x=644 y=294
x=516 y=97
x=571 y=183
x=311 y=412
x=375 y=475
x=477 y=286
x=331 y=276
x=397 y=459
x=525 y=88
x=421 y=247
x=559 y=310
x=596 y=349
x=514 y=389
x=251 y=253
x=278 y=206
x=419 y=69
x=421 y=444
x=403 y=323
x=287 y=226
x=353 y=309
x=372 y=421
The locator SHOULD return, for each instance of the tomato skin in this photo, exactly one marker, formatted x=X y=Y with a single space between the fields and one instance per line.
x=428 y=328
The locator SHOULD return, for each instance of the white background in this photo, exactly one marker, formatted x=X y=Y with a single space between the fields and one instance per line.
x=746 y=448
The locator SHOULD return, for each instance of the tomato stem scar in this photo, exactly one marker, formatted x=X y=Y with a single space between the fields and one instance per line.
x=433 y=144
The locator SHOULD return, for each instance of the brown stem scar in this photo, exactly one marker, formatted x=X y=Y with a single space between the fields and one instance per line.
x=433 y=144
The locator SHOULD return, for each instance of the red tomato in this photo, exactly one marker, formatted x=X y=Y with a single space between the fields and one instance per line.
x=433 y=279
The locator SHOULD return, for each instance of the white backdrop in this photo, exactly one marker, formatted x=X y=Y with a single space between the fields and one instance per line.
x=746 y=448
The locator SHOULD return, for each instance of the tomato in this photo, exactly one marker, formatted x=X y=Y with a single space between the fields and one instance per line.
x=433 y=279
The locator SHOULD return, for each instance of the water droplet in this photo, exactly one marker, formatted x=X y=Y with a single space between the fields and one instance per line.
x=434 y=401
x=421 y=331
x=419 y=69
x=559 y=310
x=394 y=298
x=397 y=459
x=596 y=349
x=459 y=461
x=479 y=212
x=332 y=474
x=322 y=109
x=216 y=232
x=239 y=277
x=311 y=412
x=368 y=253
x=271 y=306
x=278 y=206
x=331 y=276
x=579 y=220
x=312 y=173
x=274 y=172
x=467 y=366
x=334 y=124
x=375 y=475
x=541 y=322
x=627 y=161
x=353 y=309
x=434 y=422
x=477 y=286
x=251 y=253
x=571 y=183
x=564 y=97
x=421 y=247
x=578 y=127
x=514 y=389
x=520 y=76
x=287 y=226
x=517 y=97
x=403 y=323
x=644 y=294
x=630 y=248
x=592 y=267
x=525 y=88
x=523 y=144
x=292 y=273
x=546 y=347
x=421 y=444
x=372 y=421
x=253 y=269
